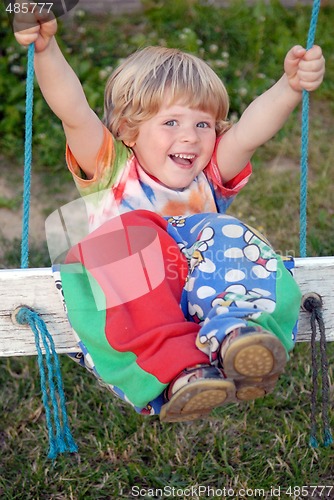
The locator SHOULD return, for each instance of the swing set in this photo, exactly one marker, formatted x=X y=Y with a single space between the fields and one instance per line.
x=33 y=320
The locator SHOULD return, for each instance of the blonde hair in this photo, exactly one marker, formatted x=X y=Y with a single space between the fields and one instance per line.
x=136 y=90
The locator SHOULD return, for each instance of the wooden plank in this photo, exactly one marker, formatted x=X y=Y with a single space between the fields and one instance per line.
x=35 y=288
x=316 y=275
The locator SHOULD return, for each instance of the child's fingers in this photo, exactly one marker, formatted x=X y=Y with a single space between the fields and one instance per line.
x=26 y=28
x=27 y=16
x=311 y=69
x=314 y=53
x=34 y=26
x=305 y=68
x=310 y=80
x=312 y=64
x=299 y=54
x=295 y=54
x=292 y=60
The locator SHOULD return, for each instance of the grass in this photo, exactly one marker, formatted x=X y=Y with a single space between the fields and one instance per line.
x=9 y=203
x=257 y=445
x=262 y=444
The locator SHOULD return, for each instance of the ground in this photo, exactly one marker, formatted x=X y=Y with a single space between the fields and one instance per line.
x=41 y=205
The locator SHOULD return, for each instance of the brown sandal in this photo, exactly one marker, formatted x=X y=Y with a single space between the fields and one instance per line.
x=195 y=392
x=253 y=358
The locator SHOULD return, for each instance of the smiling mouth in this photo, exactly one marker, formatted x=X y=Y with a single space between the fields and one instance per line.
x=183 y=159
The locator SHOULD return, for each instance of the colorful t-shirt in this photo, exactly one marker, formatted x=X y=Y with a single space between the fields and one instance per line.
x=121 y=185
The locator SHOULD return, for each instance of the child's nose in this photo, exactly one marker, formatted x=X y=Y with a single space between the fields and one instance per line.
x=189 y=134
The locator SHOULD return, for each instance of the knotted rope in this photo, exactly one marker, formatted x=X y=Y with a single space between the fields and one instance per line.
x=60 y=437
x=312 y=304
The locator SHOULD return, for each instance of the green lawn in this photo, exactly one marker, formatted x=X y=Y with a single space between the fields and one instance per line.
x=262 y=444
x=259 y=445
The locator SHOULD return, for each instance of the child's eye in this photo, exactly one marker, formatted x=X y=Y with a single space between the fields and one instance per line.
x=171 y=123
x=203 y=125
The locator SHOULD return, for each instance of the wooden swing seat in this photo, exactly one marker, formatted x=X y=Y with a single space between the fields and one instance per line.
x=35 y=288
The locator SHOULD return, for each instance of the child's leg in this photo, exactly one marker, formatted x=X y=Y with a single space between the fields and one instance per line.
x=122 y=286
x=237 y=282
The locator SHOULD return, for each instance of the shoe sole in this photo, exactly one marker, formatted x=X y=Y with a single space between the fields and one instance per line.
x=254 y=362
x=196 y=400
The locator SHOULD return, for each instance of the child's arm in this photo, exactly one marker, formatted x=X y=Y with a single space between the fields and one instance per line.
x=61 y=88
x=268 y=113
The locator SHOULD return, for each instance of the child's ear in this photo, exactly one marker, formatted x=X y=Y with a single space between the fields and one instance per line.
x=129 y=144
x=125 y=134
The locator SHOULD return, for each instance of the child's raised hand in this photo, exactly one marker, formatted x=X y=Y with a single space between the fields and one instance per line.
x=305 y=69
x=36 y=27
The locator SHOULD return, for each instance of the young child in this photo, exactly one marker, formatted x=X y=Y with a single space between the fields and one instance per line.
x=181 y=307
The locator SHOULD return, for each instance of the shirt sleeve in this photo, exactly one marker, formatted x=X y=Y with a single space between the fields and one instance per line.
x=110 y=159
x=224 y=193
x=233 y=186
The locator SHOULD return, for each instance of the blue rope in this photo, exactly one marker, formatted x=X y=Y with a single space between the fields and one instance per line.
x=27 y=157
x=60 y=437
x=305 y=139
x=327 y=435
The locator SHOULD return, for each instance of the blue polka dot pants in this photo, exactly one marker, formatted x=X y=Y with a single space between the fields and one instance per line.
x=235 y=279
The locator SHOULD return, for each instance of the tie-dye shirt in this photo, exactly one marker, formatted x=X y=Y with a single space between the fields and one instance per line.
x=120 y=185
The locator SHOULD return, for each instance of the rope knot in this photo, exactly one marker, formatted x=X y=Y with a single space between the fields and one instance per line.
x=23 y=315
x=60 y=437
x=312 y=303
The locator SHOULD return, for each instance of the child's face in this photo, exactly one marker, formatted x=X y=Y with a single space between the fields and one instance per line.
x=176 y=144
